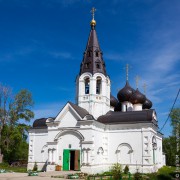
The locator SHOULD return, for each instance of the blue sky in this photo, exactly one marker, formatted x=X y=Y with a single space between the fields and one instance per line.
x=42 y=44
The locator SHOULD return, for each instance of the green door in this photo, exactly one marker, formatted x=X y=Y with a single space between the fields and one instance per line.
x=66 y=153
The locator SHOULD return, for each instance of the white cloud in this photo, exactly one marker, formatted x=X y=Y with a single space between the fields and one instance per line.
x=13 y=54
x=48 y=110
x=157 y=61
x=166 y=58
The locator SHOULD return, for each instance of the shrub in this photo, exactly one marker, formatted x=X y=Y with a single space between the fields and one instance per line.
x=152 y=176
x=126 y=169
x=117 y=171
x=163 y=177
x=138 y=176
x=166 y=170
x=4 y=164
x=107 y=173
x=35 y=168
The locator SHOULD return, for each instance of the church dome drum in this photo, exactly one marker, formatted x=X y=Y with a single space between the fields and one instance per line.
x=125 y=93
x=147 y=104
x=137 y=97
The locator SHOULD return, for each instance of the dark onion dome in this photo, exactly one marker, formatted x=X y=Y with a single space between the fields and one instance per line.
x=113 y=101
x=147 y=104
x=137 y=97
x=125 y=93
x=118 y=107
x=40 y=123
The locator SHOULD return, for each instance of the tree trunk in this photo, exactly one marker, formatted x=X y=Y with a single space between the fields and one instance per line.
x=1 y=155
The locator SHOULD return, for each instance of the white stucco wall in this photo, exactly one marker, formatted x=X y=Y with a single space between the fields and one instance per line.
x=101 y=145
x=67 y=141
x=95 y=104
x=37 y=148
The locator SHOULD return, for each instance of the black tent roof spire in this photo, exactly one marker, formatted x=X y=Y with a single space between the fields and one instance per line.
x=93 y=57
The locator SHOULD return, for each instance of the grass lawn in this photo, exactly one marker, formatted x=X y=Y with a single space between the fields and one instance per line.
x=14 y=169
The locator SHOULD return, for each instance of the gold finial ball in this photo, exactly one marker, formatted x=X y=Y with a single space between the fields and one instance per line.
x=93 y=22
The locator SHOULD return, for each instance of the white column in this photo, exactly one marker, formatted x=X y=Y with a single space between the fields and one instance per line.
x=53 y=155
x=50 y=156
x=87 y=156
x=84 y=156
x=104 y=87
x=43 y=155
x=123 y=107
x=92 y=86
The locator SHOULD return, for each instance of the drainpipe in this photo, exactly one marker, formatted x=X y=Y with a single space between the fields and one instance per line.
x=142 y=148
x=81 y=154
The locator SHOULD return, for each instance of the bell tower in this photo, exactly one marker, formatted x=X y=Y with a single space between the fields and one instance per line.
x=92 y=84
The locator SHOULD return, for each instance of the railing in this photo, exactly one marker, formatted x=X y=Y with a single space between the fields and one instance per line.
x=110 y=177
x=105 y=177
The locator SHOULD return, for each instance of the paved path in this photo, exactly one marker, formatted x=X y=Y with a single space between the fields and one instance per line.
x=41 y=176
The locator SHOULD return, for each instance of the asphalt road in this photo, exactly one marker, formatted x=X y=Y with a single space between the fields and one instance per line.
x=41 y=176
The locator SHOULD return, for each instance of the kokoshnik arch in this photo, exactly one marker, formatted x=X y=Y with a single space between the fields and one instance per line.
x=98 y=130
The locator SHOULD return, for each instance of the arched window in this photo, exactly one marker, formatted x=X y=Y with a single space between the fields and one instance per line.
x=87 y=82
x=98 y=66
x=124 y=153
x=89 y=54
x=87 y=65
x=98 y=85
x=97 y=54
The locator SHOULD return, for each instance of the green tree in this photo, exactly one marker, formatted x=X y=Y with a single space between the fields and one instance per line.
x=126 y=169
x=170 y=143
x=116 y=171
x=14 y=144
x=175 y=121
x=12 y=109
x=169 y=148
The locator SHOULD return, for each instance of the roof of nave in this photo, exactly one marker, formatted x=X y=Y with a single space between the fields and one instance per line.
x=81 y=111
x=40 y=123
x=129 y=117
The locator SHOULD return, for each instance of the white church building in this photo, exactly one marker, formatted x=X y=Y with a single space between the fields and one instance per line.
x=98 y=130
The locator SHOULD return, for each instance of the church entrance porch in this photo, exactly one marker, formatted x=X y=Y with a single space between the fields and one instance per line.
x=71 y=159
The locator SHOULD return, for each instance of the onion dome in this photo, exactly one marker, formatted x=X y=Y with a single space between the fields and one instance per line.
x=147 y=104
x=113 y=101
x=118 y=107
x=125 y=93
x=137 y=97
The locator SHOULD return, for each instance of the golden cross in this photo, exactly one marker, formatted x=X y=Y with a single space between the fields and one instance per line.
x=145 y=87
x=137 y=78
x=92 y=12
